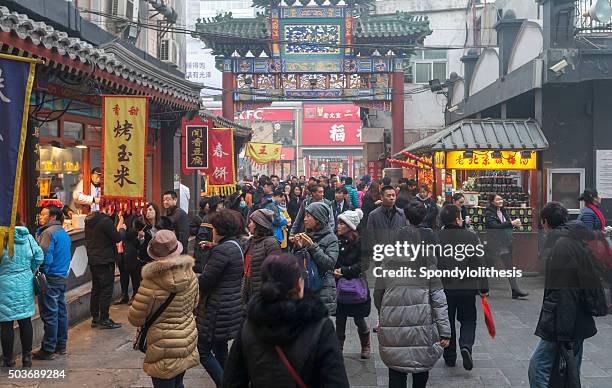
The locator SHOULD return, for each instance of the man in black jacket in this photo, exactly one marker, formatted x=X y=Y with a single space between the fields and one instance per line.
x=340 y=204
x=101 y=238
x=178 y=219
x=460 y=293
x=564 y=322
x=430 y=204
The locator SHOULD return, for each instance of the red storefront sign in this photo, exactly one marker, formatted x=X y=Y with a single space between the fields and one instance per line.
x=262 y=114
x=331 y=132
x=331 y=112
x=288 y=154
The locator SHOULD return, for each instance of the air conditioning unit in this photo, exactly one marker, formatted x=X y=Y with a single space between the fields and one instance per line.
x=123 y=8
x=169 y=51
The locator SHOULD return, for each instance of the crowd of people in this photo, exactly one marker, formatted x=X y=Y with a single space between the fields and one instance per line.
x=274 y=261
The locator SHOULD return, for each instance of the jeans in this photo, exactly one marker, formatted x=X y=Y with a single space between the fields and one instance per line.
x=463 y=307
x=175 y=382
x=102 y=284
x=8 y=337
x=213 y=364
x=52 y=306
x=362 y=326
x=400 y=379
x=543 y=359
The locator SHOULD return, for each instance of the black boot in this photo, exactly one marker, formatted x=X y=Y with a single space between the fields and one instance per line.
x=26 y=360
x=8 y=362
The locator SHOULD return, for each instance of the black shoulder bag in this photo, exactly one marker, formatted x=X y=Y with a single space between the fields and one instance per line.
x=140 y=342
x=40 y=279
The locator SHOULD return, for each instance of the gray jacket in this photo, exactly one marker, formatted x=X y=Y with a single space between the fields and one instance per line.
x=413 y=319
x=325 y=253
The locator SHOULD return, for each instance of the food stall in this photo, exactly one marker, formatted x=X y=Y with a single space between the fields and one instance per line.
x=492 y=156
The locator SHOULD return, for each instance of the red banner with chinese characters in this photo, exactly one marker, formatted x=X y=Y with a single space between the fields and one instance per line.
x=220 y=175
x=331 y=112
x=331 y=133
x=194 y=150
x=124 y=141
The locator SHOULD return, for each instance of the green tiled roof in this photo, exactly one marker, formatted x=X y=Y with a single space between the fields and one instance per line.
x=226 y=27
x=224 y=34
x=397 y=25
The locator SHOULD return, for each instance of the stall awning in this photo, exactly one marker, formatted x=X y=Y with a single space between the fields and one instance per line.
x=487 y=134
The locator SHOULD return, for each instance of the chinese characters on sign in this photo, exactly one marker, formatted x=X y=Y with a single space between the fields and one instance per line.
x=124 y=147
x=263 y=153
x=195 y=147
x=220 y=174
x=484 y=160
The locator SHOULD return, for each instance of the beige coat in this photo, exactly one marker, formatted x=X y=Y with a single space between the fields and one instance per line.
x=172 y=340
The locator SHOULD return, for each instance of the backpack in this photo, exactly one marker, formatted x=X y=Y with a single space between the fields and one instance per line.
x=313 y=281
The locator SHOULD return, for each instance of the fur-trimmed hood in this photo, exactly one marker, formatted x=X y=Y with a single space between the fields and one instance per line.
x=171 y=274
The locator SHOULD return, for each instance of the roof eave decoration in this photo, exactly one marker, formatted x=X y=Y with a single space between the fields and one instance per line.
x=240 y=130
x=111 y=58
x=399 y=32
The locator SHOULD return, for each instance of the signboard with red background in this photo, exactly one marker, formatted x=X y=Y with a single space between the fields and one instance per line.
x=331 y=125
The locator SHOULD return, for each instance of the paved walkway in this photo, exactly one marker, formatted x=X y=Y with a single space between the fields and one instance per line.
x=105 y=358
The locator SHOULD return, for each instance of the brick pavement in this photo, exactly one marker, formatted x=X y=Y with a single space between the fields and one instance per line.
x=105 y=358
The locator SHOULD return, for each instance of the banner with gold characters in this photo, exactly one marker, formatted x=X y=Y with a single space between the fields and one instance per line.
x=263 y=153
x=221 y=175
x=16 y=80
x=194 y=150
x=124 y=141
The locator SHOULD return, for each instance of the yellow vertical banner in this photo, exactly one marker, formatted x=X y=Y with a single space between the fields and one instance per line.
x=125 y=122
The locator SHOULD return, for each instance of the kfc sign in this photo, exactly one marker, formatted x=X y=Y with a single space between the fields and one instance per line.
x=331 y=112
x=261 y=114
x=340 y=133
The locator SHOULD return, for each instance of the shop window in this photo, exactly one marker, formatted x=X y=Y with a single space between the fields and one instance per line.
x=50 y=129
x=64 y=167
x=565 y=185
x=73 y=130
x=95 y=158
x=92 y=133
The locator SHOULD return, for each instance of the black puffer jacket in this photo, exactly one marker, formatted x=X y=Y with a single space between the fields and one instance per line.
x=460 y=238
x=562 y=317
x=204 y=233
x=350 y=263
x=258 y=248
x=101 y=238
x=306 y=335
x=220 y=312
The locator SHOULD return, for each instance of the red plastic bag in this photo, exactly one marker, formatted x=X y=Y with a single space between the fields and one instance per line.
x=488 y=316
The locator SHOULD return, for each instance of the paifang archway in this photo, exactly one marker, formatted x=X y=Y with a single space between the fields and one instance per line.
x=320 y=50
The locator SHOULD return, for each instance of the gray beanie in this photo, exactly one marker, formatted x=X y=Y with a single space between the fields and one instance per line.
x=263 y=217
x=320 y=211
x=351 y=218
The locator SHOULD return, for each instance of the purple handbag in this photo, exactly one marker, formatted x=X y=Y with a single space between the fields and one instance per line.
x=352 y=291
